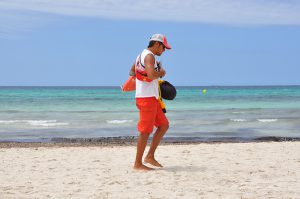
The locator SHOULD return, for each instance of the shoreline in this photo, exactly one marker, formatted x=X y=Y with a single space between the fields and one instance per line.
x=132 y=140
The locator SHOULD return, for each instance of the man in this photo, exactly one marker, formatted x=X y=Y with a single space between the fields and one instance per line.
x=147 y=71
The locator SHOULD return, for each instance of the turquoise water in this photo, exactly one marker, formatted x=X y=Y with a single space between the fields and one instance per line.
x=88 y=112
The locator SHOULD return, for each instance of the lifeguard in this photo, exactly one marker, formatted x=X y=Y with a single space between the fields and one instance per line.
x=147 y=72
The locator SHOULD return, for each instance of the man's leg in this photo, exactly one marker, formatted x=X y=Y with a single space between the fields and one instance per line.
x=160 y=132
x=141 y=145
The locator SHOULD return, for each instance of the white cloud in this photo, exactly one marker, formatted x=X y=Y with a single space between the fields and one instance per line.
x=23 y=13
x=13 y=21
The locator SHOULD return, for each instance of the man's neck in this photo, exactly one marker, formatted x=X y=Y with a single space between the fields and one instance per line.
x=152 y=50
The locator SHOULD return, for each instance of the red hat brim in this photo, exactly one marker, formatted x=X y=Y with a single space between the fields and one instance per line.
x=166 y=44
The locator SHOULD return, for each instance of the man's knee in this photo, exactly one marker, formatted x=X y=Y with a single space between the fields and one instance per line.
x=144 y=135
x=165 y=127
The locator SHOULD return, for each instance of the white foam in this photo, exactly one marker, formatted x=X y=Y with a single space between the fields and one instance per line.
x=267 y=120
x=238 y=120
x=236 y=112
x=46 y=123
x=118 y=121
x=8 y=121
x=43 y=123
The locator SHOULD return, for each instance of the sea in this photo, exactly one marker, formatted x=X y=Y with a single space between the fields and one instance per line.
x=44 y=114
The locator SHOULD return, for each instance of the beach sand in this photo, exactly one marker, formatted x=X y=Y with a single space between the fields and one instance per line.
x=219 y=170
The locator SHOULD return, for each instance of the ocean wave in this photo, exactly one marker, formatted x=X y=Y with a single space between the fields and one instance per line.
x=238 y=120
x=8 y=121
x=46 y=123
x=267 y=120
x=43 y=123
x=118 y=121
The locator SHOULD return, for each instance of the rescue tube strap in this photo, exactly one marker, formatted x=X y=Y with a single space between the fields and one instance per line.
x=139 y=74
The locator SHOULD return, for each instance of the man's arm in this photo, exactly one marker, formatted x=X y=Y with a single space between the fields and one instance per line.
x=132 y=70
x=151 y=72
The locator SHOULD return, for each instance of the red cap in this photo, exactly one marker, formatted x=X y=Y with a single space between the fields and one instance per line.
x=161 y=38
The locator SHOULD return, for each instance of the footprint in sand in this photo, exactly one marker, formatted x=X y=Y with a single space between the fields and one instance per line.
x=186 y=151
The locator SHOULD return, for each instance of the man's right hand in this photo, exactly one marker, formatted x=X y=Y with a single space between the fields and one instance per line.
x=162 y=72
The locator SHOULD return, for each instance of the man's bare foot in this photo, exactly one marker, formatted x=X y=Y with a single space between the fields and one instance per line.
x=152 y=161
x=142 y=168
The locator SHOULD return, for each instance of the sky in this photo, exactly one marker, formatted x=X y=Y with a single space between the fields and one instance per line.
x=95 y=42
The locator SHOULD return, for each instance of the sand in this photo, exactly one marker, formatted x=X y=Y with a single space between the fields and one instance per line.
x=222 y=170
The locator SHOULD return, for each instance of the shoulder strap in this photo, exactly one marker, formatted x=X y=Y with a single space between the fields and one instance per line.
x=140 y=60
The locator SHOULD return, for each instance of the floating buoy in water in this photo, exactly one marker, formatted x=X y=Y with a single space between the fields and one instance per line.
x=204 y=91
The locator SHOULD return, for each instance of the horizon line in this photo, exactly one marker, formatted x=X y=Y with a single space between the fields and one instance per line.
x=264 y=85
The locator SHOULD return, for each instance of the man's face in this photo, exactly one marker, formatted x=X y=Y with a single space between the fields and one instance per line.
x=160 y=48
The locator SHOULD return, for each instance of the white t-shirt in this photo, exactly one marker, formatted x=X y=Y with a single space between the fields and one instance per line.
x=143 y=88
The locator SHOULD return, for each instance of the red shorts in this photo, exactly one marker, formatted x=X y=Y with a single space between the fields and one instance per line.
x=151 y=114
